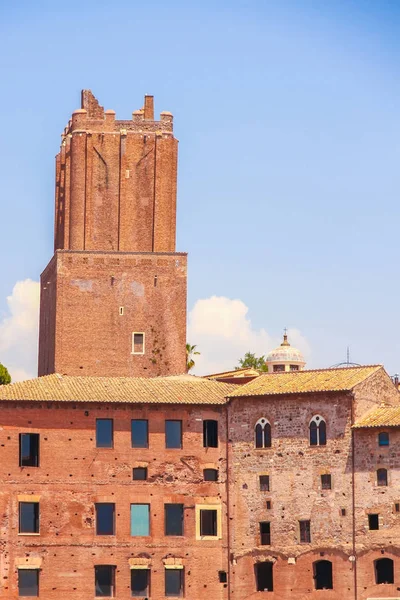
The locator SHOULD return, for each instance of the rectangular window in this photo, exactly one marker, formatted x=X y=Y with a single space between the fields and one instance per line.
x=373 y=522
x=139 y=474
x=264 y=483
x=105 y=518
x=343 y=512
x=29 y=517
x=278 y=368
x=173 y=519
x=140 y=433
x=210 y=474
x=174 y=583
x=326 y=482
x=28 y=582
x=140 y=582
x=137 y=343
x=140 y=519
x=28 y=449
x=210 y=434
x=173 y=434
x=305 y=532
x=397 y=507
x=208 y=522
x=222 y=576
x=269 y=504
x=104 y=433
x=104 y=581
x=265 y=533
x=264 y=577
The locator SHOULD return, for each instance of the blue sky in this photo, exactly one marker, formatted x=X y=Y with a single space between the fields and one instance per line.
x=287 y=114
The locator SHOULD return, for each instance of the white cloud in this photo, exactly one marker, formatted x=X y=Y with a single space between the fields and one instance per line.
x=19 y=331
x=223 y=333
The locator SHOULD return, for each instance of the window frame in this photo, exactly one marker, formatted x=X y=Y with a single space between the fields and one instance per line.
x=133 y=343
x=181 y=582
x=315 y=575
x=198 y=513
x=36 y=518
x=265 y=537
x=382 y=477
x=210 y=470
x=101 y=504
x=326 y=485
x=379 y=560
x=37 y=588
x=264 y=486
x=141 y=594
x=260 y=566
x=167 y=507
x=146 y=473
x=305 y=531
x=207 y=435
x=373 y=519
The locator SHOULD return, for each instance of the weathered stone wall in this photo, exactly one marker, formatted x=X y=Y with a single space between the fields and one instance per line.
x=74 y=474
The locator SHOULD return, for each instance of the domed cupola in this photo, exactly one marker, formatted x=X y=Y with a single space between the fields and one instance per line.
x=285 y=358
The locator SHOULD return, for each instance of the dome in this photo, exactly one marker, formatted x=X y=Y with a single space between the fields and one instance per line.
x=285 y=358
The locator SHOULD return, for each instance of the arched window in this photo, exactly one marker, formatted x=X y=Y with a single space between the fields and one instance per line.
x=383 y=438
x=381 y=477
x=384 y=570
x=323 y=575
x=262 y=433
x=317 y=431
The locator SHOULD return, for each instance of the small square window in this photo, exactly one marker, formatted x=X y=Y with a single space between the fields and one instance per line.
x=139 y=474
x=173 y=434
x=264 y=483
x=28 y=582
x=326 y=482
x=210 y=474
x=373 y=522
x=137 y=343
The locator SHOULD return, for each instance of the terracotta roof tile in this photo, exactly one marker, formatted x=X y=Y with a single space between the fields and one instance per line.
x=303 y=382
x=383 y=416
x=245 y=372
x=169 y=390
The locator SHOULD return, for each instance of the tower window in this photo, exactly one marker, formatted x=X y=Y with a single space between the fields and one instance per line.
x=383 y=438
x=305 y=532
x=373 y=522
x=28 y=449
x=265 y=533
x=137 y=343
x=210 y=434
x=317 y=431
x=264 y=577
x=384 y=572
x=382 y=477
x=323 y=575
x=264 y=483
x=326 y=481
x=262 y=433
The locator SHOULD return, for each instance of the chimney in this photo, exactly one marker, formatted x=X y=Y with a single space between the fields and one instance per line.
x=149 y=108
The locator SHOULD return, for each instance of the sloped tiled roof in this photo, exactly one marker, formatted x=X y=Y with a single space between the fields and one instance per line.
x=383 y=416
x=303 y=382
x=245 y=372
x=169 y=390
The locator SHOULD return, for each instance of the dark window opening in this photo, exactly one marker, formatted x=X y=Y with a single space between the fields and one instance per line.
x=222 y=576
x=29 y=517
x=262 y=434
x=264 y=577
x=323 y=575
x=397 y=507
x=28 y=582
x=305 y=532
x=383 y=438
x=384 y=572
x=343 y=512
x=138 y=343
x=140 y=582
x=317 y=431
x=28 y=449
x=140 y=433
x=210 y=474
x=173 y=434
x=322 y=433
x=104 y=581
x=104 y=433
x=265 y=533
x=259 y=435
x=313 y=434
x=210 y=434
x=173 y=519
x=105 y=518
x=139 y=473
x=373 y=522
x=326 y=482
x=278 y=368
x=174 y=582
x=294 y=367
x=269 y=504
x=264 y=483
x=208 y=522
x=381 y=477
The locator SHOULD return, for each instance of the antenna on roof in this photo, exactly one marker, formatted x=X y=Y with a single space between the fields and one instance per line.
x=347 y=363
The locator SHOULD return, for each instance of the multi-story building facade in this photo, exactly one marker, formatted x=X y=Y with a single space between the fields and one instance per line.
x=123 y=477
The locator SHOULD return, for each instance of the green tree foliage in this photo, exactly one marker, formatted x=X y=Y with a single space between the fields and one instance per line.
x=190 y=352
x=251 y=361
x=5 y=376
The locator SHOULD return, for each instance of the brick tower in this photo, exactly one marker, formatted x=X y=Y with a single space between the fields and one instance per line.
x=113 y=297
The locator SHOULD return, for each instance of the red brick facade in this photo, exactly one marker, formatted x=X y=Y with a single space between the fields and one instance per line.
x=115 y=229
